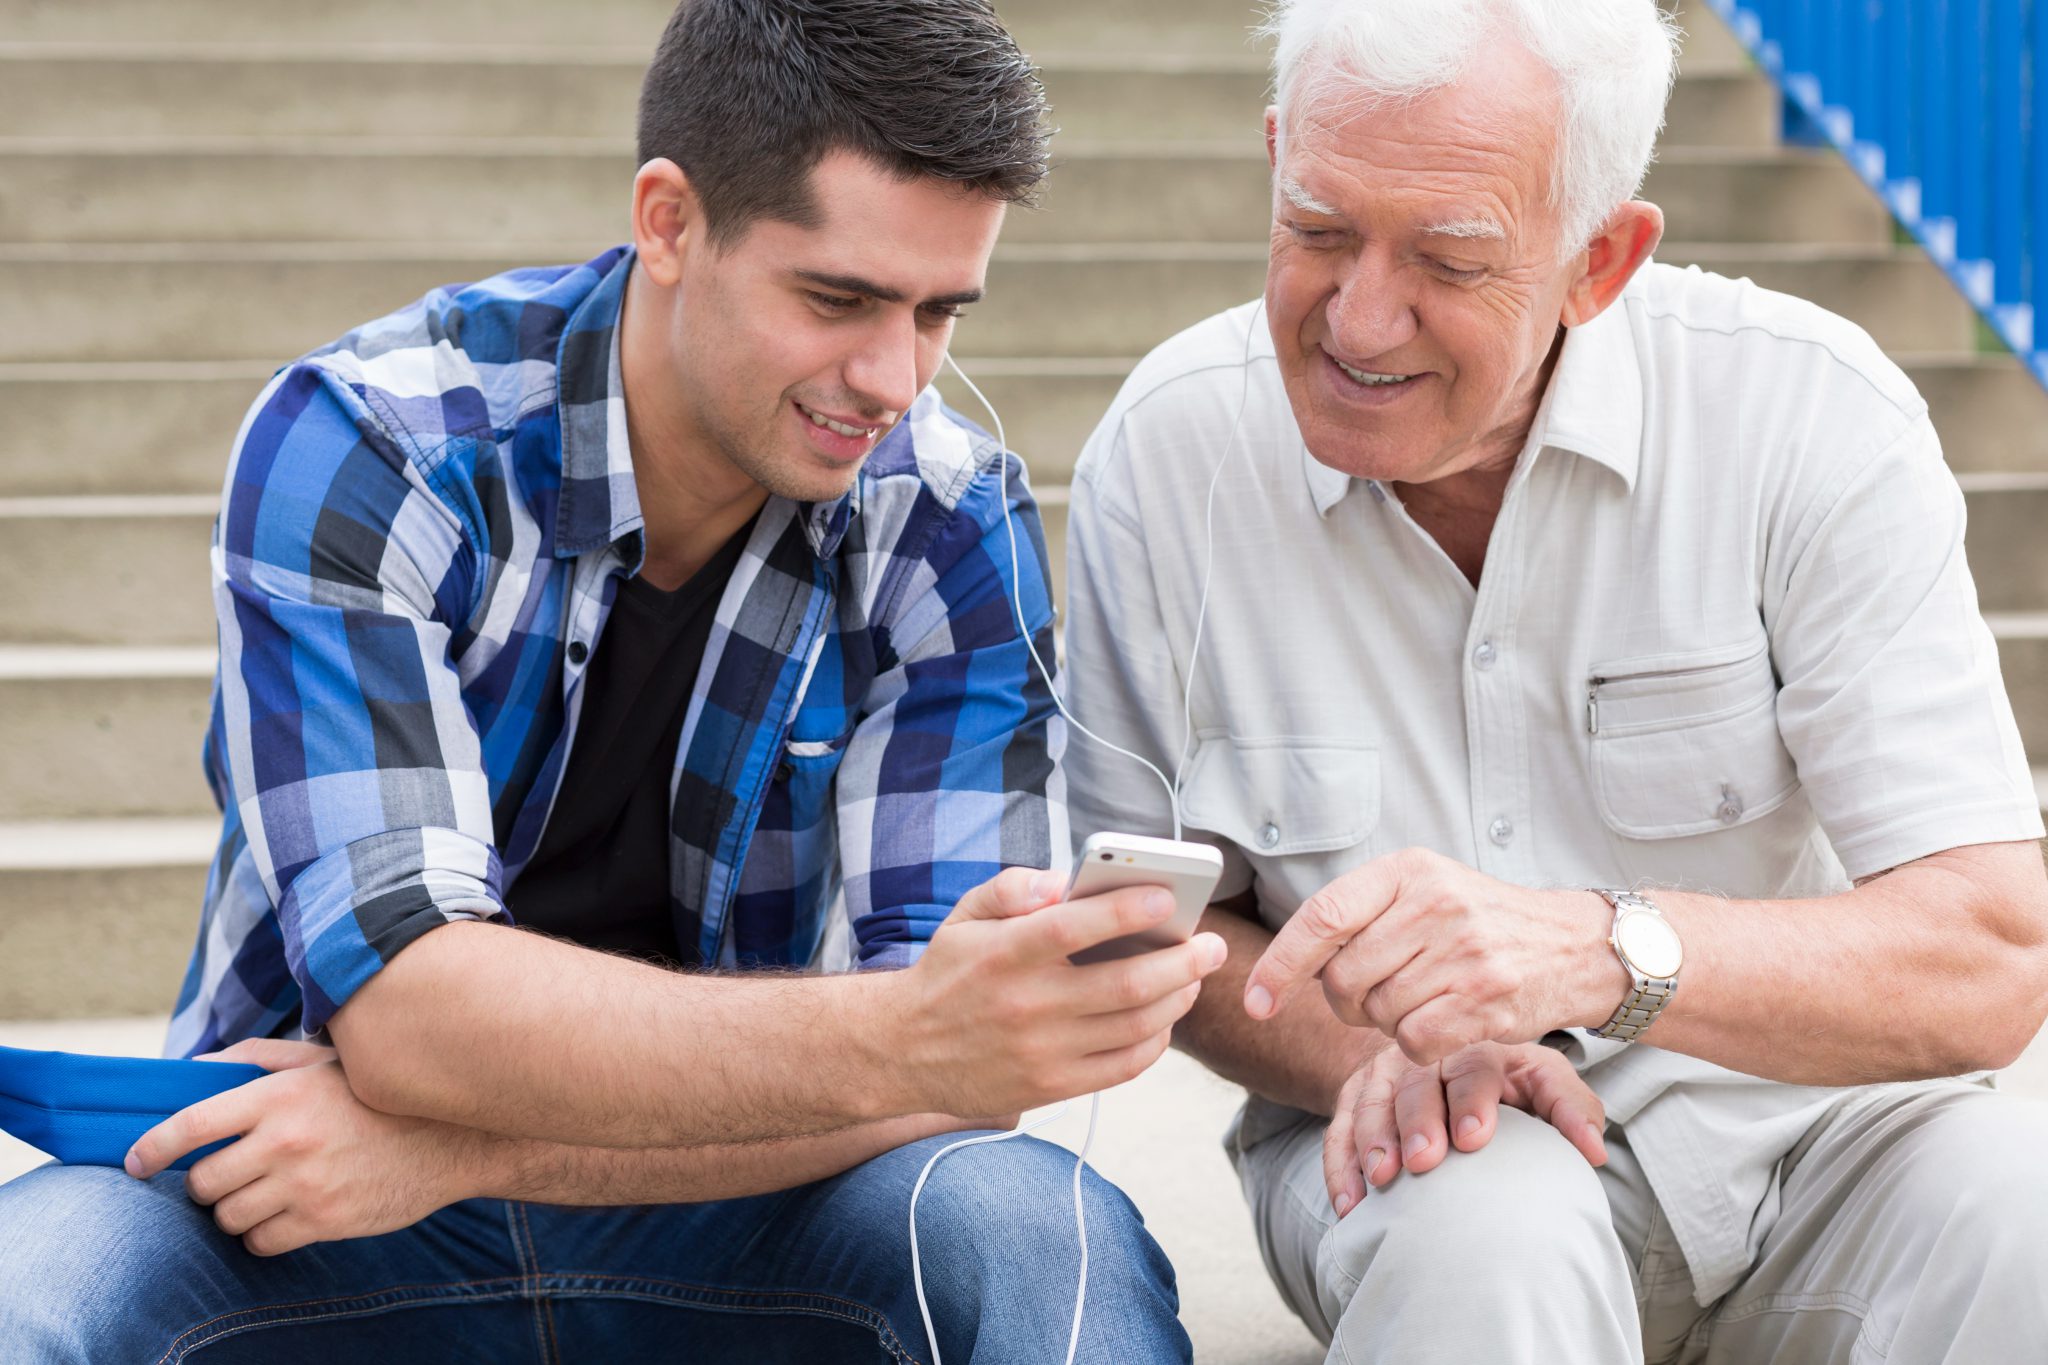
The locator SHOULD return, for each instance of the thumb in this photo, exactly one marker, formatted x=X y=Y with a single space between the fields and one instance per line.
x=1011 y=892
x=272 y=1054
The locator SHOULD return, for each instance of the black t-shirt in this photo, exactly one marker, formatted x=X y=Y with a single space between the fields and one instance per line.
x=600 y=876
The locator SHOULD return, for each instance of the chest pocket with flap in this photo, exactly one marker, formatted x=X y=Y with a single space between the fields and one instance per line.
x=1277 y=797
x=1688 y=743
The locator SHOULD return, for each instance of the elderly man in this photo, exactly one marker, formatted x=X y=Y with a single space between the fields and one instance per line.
x=1590 y=673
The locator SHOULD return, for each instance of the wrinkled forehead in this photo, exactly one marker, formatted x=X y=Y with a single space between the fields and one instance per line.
x=1491 y=133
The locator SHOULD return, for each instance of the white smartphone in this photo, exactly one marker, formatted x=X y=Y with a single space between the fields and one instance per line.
x=1111 y=862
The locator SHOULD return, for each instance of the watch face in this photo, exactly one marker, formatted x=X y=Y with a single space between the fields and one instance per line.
x=1649 y=943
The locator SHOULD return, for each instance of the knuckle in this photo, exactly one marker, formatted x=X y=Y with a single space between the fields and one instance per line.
x=1066 y=935
x=1130 y=989
x=1323 y=915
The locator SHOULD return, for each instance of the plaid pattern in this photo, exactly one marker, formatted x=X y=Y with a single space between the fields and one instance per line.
x=421 y=534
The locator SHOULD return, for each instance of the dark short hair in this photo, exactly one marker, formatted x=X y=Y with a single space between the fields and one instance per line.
x=747 y=96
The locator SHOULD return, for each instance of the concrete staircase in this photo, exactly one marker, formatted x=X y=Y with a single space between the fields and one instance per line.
x=192 y=194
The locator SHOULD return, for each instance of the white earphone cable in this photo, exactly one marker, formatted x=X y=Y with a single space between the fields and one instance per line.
x=1173 y=803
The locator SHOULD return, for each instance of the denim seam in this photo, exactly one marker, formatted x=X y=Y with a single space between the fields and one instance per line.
x=398 y=1296
x=528 y=1267
x=543 y=1312
x=736 y=1300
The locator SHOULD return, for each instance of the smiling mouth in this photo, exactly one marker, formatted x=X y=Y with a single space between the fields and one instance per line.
x=1370 y=379
x=856 y=433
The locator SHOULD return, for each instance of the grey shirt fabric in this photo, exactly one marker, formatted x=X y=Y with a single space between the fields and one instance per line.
x=1725 y=640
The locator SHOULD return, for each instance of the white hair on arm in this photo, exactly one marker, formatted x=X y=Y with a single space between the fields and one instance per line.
x=1614 y=61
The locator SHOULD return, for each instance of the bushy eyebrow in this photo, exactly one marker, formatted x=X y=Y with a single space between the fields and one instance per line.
x=1293 y=193
x=1476 y=227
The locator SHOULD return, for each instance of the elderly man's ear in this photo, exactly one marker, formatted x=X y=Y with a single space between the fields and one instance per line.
x=1611 y=260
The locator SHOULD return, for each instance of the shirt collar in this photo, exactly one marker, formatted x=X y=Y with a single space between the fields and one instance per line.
x=1593 y=406
x=600 y=501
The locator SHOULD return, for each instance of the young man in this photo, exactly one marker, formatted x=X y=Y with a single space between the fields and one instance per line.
x=654 y=604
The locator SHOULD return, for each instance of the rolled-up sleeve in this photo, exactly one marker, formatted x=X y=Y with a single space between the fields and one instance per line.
x=952 y=773
x=350 y=757
x=1891 y=700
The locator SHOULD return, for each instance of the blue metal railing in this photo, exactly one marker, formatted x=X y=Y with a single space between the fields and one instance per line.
x=1942 y=107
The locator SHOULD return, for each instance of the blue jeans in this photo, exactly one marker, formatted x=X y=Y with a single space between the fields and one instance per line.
x=98 y=1267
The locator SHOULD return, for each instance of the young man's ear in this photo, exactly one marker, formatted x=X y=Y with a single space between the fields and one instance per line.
x=1612 y=259
x=668 y=219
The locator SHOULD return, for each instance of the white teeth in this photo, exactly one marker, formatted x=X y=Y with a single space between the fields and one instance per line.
x=1368 y=378
x=830 y=425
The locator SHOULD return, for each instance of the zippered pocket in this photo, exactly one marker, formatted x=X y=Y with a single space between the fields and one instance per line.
x=1687 y=744
x=1699 y=673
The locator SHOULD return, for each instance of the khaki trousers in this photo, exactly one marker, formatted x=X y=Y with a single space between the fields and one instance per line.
x=1913 y=1227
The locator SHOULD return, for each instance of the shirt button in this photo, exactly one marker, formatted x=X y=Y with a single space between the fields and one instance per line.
x=1501 y=831
x=1483 y=657
x=1269 y=836
x=1379 y=494
x=1730 y=809
x=578 y=651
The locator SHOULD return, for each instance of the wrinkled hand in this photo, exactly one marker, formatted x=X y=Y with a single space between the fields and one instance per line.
x=312 y=1163
x=998 y=1019
x=1439 y=957
x=1394 y=1115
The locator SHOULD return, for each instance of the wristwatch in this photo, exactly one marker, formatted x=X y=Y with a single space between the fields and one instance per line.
x=1649 y=948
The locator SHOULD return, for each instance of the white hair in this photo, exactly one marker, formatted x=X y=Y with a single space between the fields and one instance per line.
x=1613 y=59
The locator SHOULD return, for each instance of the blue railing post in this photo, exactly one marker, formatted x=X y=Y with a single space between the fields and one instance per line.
x=1937 y=133
x=2036 y=96
x=2011 y=314
x=1969 y=111
x=1941 y=106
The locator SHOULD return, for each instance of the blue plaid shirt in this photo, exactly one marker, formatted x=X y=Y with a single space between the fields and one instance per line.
x=421 y=534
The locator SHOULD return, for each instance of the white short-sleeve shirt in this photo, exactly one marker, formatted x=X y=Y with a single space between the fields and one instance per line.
x=1725 y=640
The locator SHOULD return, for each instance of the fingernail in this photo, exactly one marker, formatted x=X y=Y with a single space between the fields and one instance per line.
x=1158 y=904
x=1344 y=1202
x=1047 y=885
x=1414 y=1147
x=1213 y=953
x=1467 y=1126
x=1373 y=1159
x=132 y=1164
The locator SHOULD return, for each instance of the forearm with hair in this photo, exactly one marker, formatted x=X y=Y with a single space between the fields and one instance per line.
x=1299 y=1057
x=529 y=1037
x=557 y=1173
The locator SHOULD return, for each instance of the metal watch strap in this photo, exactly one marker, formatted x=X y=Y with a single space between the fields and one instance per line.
x=1649 y=995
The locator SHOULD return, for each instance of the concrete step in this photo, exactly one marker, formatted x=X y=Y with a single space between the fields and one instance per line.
x=325 y=189
x=2008 y=547
x=103 y=732
x=227 y=301
x=1899 y=296
x=1724 y=108
x=176 y=423
x=205 y=301
x=97 y=916
x=2023 y=659
x=628 y=27
x=178 y=418
x=287 y=190
x=119 y=95
x=114 y=569
x=1991 y=413
x=1787 y=196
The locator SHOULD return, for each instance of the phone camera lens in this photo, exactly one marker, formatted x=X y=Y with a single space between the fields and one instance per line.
x=1109 y=857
